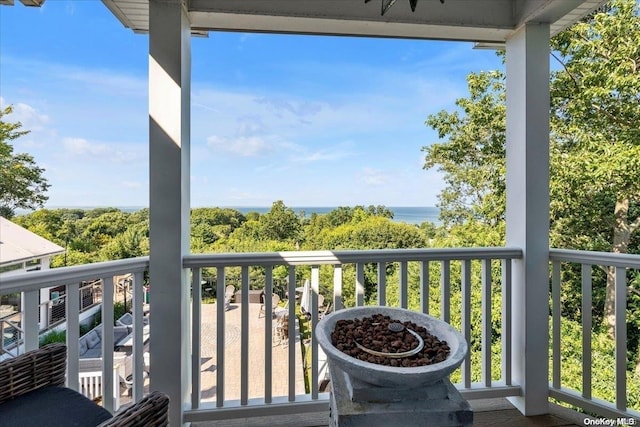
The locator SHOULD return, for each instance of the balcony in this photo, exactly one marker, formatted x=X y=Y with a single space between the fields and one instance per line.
x=506 y=301
x=255 y=374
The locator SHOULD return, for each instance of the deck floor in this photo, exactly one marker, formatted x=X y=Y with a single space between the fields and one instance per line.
x=256 y=358
x=486 y=412
x=499 y=412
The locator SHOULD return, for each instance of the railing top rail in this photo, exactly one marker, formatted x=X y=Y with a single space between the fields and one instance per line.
x=347 y=256
x=595 y=258
x=56 y=276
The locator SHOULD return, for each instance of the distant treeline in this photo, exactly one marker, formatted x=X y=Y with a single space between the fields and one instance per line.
x=109 y=233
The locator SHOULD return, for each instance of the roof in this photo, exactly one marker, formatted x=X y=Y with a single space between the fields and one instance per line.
x=17 y=244
x=488 y=21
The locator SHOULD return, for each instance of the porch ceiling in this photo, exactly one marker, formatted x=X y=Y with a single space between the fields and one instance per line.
x=491 y=21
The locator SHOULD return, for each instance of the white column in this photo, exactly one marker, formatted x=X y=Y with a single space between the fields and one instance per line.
x=169 y=152
x=527 y=63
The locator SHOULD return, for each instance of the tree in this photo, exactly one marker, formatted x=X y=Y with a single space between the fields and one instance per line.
x=22 y=184
x=131 y=243
x=595 y=148
x=280 y=223
x=211 y=224
x=595 y=110
x=473 y=157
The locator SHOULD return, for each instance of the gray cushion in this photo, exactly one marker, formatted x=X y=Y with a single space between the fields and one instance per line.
x=119 y=332
x=92 y=339
x=83 y=346
x=125 y=320
x=49 y=406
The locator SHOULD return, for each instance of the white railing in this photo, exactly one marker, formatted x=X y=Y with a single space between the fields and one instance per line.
x=30 y=283
x=91 y=385
x=432 y=274
x=581 y=396
x=471 y=288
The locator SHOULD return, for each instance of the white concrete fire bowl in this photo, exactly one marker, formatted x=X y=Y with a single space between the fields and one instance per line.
x=389 y=376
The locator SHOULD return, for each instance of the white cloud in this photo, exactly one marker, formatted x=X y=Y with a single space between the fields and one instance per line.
x=373 y=176
x=242 y=146
x=322 y=155
x=30 y=118
x=81 y=147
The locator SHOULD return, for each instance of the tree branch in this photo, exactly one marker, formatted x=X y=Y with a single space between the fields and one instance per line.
x=575 y=81
x=634 y=225
x=612 y=116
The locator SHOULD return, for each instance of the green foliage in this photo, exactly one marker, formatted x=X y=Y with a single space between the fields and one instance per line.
x=280 y=223
x=22 y=182
x=602 y=364
x=594 y=160
x=208 y=225
x=118 y=310
x=596 y=139
x=53 y=337
x=131 y=243
x=372 y=233
x=473 y=157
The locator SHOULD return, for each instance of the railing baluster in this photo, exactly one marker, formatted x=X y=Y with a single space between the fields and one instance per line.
x=30 y=319
x=586 y=330
x=108 y=285
x=555 y=301
x=337 y=287
x=244 y=337
x=382 y=283
x=506 y=321
x=196 y=322
x=220 y=331
x=292 y=338
x=73 y=333
x=315 y=289
x=138 y=336
x=403 y=285
x=445 y=290
x=424 y=286
x=486 y=322
x=268 y=339
x=621 y=337
x=466 y=319
x=359 y=284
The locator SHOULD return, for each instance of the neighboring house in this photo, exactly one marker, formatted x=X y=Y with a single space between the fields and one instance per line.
x=23 y=251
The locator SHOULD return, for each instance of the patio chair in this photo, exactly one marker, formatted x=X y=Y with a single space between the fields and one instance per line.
x=323 y=309
x=280 y=326
x=229 y=292
x=32 y=393
x=275 y=309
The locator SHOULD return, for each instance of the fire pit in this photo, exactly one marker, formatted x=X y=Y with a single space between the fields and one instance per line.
x=392 y=385
x=390 y=376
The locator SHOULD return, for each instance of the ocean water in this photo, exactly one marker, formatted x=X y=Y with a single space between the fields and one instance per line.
x=407 y=214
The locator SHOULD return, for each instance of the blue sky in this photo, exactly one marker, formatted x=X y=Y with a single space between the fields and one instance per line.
x=312 y=121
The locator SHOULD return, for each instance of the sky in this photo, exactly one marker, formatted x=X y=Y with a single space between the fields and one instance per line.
x=309 y=120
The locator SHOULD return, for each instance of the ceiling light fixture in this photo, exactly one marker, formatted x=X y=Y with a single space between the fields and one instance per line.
x=385 y=5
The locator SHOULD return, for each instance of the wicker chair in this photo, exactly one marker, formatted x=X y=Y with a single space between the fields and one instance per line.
x=32 y=393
